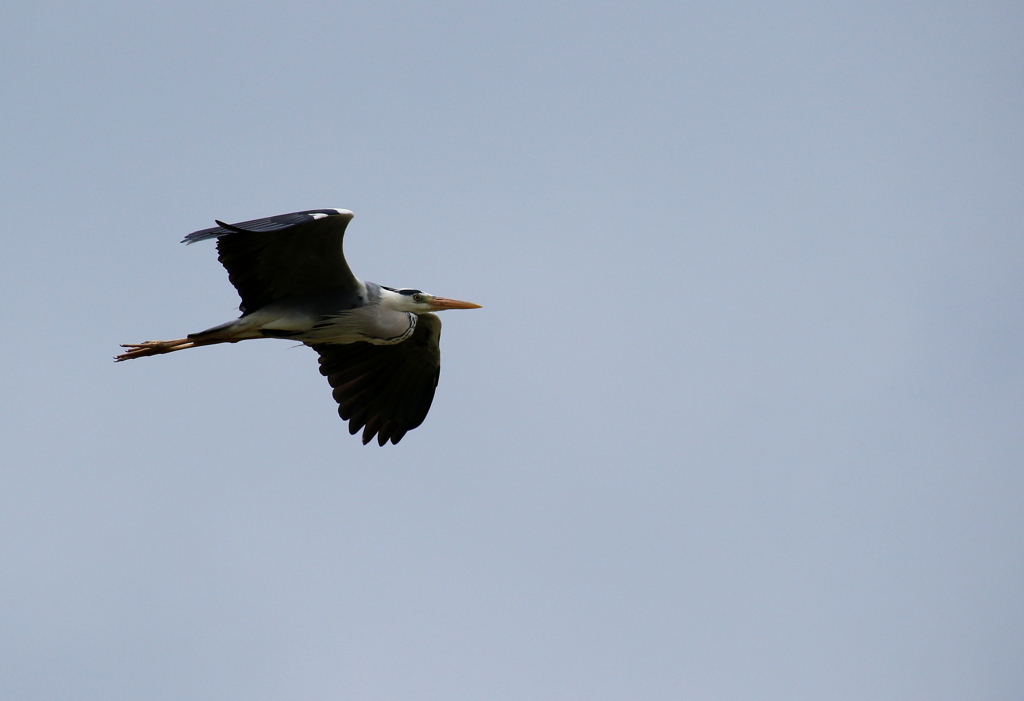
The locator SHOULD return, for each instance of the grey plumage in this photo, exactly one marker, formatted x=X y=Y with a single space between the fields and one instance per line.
x=378 y=346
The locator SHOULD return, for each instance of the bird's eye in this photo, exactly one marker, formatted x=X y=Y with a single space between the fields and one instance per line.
x=417 y=298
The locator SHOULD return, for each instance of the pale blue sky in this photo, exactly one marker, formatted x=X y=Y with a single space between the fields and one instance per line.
x=741 y=417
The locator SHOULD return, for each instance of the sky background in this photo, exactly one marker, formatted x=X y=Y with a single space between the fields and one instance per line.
x=741 y=416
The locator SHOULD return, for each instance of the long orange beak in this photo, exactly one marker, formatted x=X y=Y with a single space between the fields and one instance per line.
x=442 y=303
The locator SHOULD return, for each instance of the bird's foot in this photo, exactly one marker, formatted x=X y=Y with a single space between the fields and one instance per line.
x=139 y=350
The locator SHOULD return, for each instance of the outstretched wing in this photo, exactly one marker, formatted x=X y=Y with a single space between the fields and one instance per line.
x=385 y=390
x=290 y=254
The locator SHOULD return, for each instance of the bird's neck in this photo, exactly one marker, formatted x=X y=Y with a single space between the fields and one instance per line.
x=395 y=327
x=392 y=301
x=391 y=323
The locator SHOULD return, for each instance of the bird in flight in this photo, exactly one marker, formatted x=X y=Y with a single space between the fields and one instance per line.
x=378 y=345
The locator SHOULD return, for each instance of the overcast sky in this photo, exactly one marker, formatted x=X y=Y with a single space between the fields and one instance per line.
x=740 y=418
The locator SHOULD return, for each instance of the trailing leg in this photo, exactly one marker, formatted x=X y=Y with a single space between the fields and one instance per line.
x=140 y=350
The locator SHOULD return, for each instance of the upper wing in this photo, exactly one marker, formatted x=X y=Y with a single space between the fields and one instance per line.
x=290 y=254
x=386 y=389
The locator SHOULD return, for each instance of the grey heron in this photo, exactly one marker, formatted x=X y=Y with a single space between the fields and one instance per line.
x=378 y=345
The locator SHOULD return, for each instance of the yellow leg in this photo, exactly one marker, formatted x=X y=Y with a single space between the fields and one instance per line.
x=139 y=350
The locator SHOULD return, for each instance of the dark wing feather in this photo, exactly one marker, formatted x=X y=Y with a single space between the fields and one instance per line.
x=291 y=254
x=385 y=390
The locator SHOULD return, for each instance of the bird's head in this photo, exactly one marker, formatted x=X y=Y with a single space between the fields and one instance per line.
x=418 y=302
